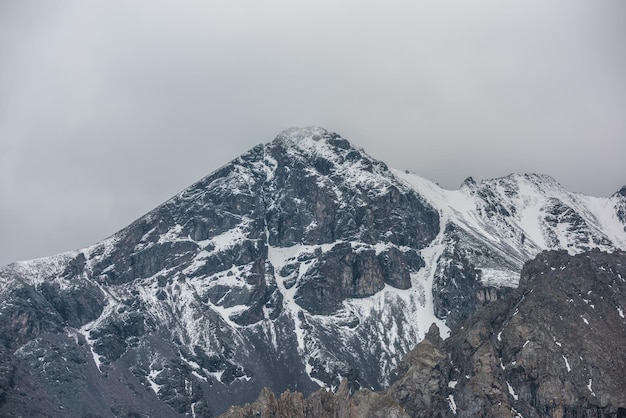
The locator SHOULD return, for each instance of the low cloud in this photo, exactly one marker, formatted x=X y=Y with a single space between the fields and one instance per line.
x=107 y=110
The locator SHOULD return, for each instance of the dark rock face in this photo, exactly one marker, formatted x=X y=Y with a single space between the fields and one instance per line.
x=620 y=205
x=77 y=305
x=552 y=348
x=538 y=351
x=344 y=273
x=339 y=274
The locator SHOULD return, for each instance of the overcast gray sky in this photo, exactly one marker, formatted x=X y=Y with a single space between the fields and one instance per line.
x=109 y=108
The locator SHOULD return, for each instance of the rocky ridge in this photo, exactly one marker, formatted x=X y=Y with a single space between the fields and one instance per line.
x=493 y=227
x=551 y=348
x=304 y=251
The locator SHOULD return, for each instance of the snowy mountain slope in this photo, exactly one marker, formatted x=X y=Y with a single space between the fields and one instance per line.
x=493 y=227
x=525 y=214
x=301 y=262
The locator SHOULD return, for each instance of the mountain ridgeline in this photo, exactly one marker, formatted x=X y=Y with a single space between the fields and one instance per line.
x=299 y=265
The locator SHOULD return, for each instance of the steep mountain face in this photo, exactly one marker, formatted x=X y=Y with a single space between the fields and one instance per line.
x=551 y=348
x=303 y=252
x=493 y=227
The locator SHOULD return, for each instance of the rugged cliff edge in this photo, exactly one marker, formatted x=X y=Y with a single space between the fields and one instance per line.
x=554 y=347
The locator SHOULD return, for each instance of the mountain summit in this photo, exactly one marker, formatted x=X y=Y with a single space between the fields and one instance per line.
x=300 y=263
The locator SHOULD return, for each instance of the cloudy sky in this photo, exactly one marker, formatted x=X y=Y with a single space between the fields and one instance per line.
x=109 y=108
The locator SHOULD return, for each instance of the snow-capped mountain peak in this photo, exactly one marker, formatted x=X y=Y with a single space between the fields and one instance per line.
x=297 y=135
x=303 y=251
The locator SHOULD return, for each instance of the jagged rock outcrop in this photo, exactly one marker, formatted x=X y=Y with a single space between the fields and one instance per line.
x=551 y=348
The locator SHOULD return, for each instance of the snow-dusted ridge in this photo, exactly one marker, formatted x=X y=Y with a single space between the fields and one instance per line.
x=521 y=215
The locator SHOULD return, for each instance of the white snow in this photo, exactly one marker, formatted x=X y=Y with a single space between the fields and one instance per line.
x=452 y=384
x=278 y=257
x=191 y=363
x=151 y=376
x=605 y=215
x=226 y=313
x=229 y=238
x=171 y=235
x=589 y=387
x=452 y=404
x=381 y=246
x=511 y=391
x=309 y=370
x=532 y=214
x=185 y=314
x=516 y=414
x=569 y=369
x=217 y=375
x=620 y=312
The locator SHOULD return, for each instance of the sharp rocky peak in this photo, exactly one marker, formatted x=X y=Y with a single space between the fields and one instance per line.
x=296 y=135
x=540 y=182
x=621 y=192
x=311 y=136
x=315 y=143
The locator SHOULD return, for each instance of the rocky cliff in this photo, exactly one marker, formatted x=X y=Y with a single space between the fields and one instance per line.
x=551 y=348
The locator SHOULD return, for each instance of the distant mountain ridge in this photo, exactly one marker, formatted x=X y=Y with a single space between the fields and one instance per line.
x=303 y=252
